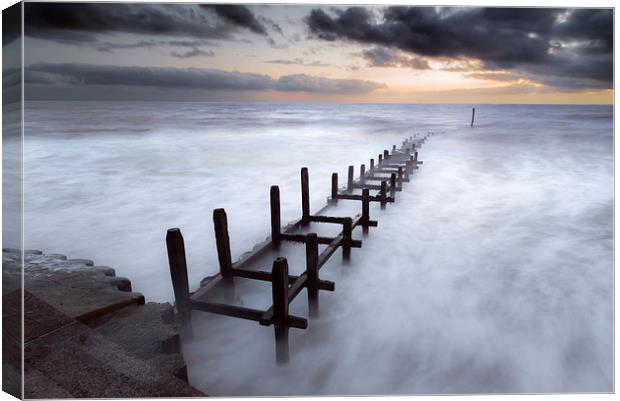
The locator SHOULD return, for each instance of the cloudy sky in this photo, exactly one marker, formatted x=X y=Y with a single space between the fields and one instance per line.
x=318 y=53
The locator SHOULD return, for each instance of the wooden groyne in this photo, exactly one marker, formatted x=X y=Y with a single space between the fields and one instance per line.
x=386 y=177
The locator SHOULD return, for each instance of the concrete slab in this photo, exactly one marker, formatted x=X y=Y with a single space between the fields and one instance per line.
x=73 y=286
x=76 y=361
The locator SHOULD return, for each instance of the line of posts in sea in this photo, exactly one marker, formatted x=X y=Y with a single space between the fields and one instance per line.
x=399 y=164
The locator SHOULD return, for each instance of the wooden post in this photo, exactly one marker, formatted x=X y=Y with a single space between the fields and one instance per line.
x=400 y=176
x=178 y=273
x=383 y=194
x=312 y=271
x=279 y=291
x=407 y=167
x=393 y=185
x=334 y=188
x=347 y=234
x=362 y=172
x=222 y=241
x=393 y=149
x=380 y=160
x=305 y=196
x=473 y=115
x=386 y=154
x=365 y=210
x=274 y=195
x=350 y=179
x=415 y=160
x=372 y=164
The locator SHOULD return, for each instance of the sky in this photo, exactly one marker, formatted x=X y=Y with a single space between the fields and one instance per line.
x=145 y=51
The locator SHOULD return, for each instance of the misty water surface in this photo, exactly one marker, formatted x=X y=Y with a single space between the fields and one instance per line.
x=492 y=272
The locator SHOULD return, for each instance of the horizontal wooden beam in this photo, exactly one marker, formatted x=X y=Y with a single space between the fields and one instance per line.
x=322 y=240
x=227 y=310
x=372 y=177
x=266 y=276
x=394 y=166
x=295 y=322
x=373 y=187
x=359 y=197
x=327 y=219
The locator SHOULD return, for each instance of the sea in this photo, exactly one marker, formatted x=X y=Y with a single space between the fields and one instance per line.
x=492 y=273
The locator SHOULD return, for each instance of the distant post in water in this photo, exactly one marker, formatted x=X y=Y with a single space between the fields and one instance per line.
x=274 y=196
x=305 y=196
x=380 y=160
x=334 y=198
x=372 y=164
x=473 y=115
x=400 y=176
x=386 y=154
x=279 y=292
x=178 y=273
x=222 y=241
x=350 y=178
x=362 y=172
x=312 y=271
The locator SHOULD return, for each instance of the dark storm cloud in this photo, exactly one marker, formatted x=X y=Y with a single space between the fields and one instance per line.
x=184 y=48
x=238 y=15
x=550 y=42
x=194 y=78
x=82 y=22
x=385 y=57
x=193 y=53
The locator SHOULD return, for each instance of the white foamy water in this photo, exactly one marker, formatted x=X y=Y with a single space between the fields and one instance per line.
x=492 y=272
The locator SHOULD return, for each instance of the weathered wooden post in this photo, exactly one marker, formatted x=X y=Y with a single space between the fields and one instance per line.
x=473 y=115
x=386 y=154
x=347 y=236
x=372 y=164
x=178 y=273
x=365 y=210
x=362 y=173
x=399 y=177
x=415 y=160
x=305 y=197
x=383 y=194
x=407 y=167
x=312 y=272
x=279 y=291
x=393 y=186
x=380 y=160
x=334 y=198
x=350 y=179
x=222 y=241
x=274 y=196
